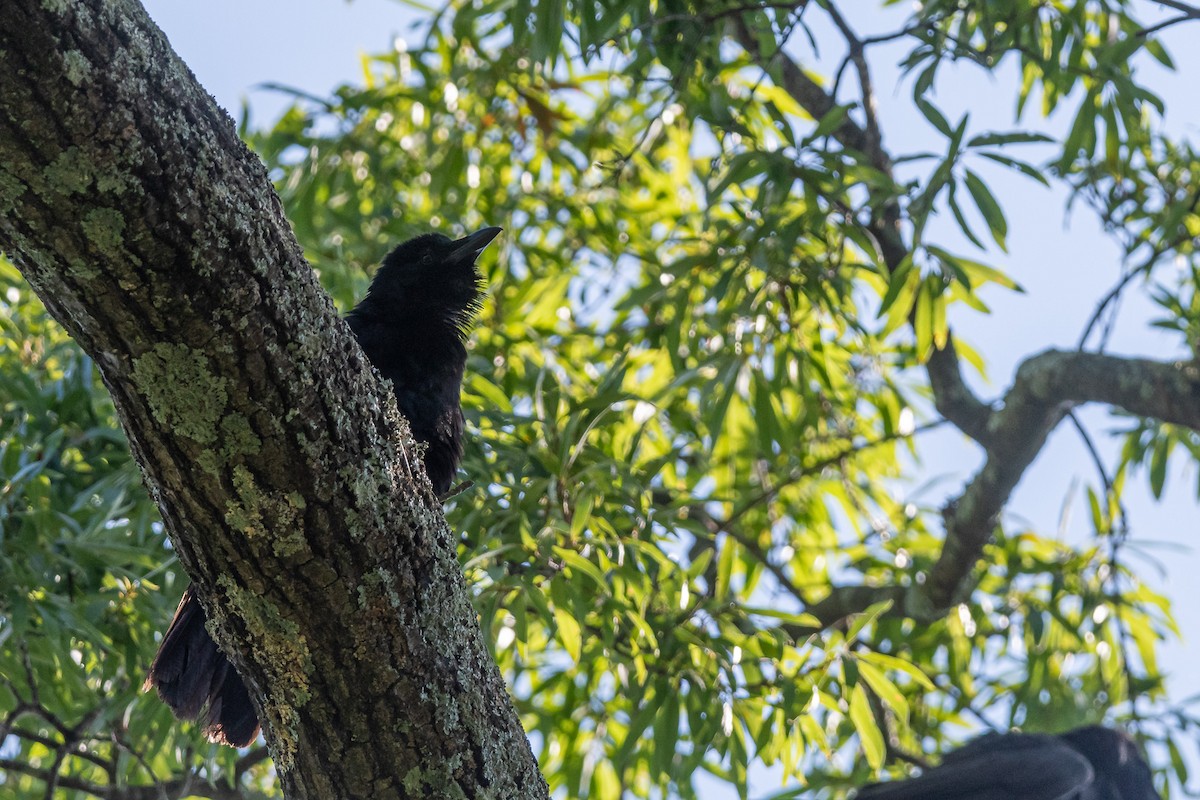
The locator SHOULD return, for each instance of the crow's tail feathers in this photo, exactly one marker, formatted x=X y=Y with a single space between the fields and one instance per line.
x=195 y=679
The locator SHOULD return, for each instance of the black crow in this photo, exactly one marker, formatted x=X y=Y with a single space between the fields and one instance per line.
x=1090 y=763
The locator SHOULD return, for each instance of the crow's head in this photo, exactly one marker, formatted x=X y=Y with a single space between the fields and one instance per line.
x=435 y=274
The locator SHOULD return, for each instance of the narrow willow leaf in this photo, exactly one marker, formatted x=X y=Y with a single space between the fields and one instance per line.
x=868 y=731
x=989 y=207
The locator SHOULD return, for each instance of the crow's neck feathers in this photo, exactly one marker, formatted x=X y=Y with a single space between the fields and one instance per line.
x=421 y=313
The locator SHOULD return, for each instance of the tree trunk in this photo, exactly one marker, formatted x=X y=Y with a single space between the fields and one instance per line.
x=283 y=471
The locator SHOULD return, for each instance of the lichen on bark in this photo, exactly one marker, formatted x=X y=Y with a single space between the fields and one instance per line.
x=182 y=391
x=286 y=478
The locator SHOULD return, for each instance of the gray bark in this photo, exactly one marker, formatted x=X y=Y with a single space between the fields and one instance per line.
x=285 y=476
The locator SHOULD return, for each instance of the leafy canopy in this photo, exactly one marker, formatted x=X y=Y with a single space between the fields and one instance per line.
x=695 y=398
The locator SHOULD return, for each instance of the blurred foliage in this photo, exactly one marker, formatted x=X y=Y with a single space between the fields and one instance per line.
x=694 y=398
x=85 y=577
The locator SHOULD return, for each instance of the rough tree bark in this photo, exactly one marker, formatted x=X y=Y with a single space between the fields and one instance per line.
x=283 y=472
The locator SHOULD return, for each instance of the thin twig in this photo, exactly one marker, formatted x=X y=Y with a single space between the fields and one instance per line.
x=1153 y=29
x=1186 y=8
x=710 y=17
x=1118 y=536
x=1144 y=268
x=456 y=490
x=829 y=461
x=856 y=54
x=250 y=759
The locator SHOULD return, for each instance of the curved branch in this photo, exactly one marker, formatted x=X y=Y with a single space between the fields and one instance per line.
x=1165 y=390
x=951 y=396
x=1046 y=387
x=803 y=89
x=857 y=55
x=1188 y=12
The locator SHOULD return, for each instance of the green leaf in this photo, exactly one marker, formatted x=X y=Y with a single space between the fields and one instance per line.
x=869 y=735
x=1020 y=166
x=935 y=117
x=884 y=689
x=582 y=513
x=898 y=664
x=896 y=285
x=868 y=617
x=742 y=169
x=577 y=562
x=1013 y=137
x=725 y=565
x=1159 y=457
x=960 y=218
x=977 y=274
x=666 y=729
x=830 y=121
x=989 y=207
x=923 y=320
x=569 y=633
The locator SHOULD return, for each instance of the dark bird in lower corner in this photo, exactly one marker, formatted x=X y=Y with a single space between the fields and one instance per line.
x=412 y=325
x=1089 y=763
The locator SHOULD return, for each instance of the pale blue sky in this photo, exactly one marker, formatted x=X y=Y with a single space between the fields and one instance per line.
x=234 y=45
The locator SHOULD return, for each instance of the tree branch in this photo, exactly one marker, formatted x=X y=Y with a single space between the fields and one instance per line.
x=803 y=89
x=1167 y=391
x=190 y=785
x=1178 y=5
x=1159 y=249
x=952 y=398
x=1187 y=13
x=857 y=55
x=282 y=469
x=1046 y=387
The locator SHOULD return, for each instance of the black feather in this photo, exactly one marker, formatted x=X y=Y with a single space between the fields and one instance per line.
x=412 y=325
x=1091 y=763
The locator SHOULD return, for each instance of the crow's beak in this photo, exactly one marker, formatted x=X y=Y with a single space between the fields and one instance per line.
x=468 y=248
